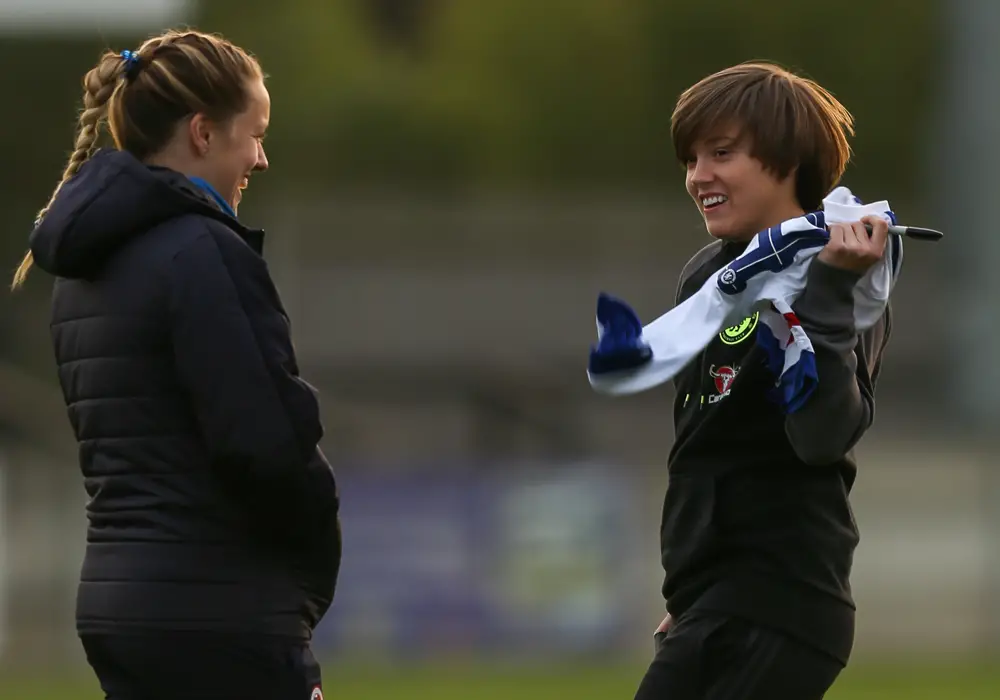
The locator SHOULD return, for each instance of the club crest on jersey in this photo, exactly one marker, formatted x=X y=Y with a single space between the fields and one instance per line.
x=741 y=331
x=723 y=376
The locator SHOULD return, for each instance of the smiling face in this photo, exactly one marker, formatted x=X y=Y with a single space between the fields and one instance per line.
x=237 y=148
x=760 y=145
x=191 y=102
x=736 y=195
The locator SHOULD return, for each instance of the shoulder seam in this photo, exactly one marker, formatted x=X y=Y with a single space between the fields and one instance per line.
x=696 y=261
x=205 y=232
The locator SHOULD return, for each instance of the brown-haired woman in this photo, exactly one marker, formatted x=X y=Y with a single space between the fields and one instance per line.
x=757 y=535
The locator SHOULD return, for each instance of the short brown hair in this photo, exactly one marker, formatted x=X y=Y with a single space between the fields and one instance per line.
x=142 y=96
x=791 y=120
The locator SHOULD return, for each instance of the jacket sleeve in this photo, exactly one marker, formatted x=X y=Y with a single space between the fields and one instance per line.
x=233 y=355
x=842 y=407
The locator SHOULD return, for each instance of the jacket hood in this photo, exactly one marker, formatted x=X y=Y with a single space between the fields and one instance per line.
x=113 y=198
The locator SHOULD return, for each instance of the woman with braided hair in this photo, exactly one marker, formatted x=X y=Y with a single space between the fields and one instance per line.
x=213 y=542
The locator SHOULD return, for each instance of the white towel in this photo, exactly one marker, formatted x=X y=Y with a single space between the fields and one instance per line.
x=768 y=277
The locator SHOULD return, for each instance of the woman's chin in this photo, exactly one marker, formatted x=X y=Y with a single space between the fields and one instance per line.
x=724 y=232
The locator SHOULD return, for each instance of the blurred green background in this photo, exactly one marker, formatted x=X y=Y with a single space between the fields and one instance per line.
x=451 y=184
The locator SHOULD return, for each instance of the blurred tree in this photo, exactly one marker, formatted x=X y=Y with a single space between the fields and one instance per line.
x=399 y=22
x=347 y=107
x=546 y=92
x=515 y=92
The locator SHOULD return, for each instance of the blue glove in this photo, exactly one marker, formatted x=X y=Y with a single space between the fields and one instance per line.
x=619 y=346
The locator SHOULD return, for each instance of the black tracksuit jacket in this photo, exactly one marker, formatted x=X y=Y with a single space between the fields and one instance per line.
x=757 y=521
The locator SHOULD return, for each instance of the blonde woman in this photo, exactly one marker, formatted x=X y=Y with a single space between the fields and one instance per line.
x=213 y=545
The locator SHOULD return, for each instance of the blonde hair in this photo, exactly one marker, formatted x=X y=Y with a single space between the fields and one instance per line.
x=793 y=122
x=143 y=95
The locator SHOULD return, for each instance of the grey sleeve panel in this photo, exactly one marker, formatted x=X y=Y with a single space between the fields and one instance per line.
x=842 y=407
x=693 y=265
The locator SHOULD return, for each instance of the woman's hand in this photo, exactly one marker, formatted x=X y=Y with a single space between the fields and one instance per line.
x=851 y=248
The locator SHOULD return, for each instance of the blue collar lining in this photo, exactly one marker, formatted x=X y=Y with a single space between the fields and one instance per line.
x=214 y=194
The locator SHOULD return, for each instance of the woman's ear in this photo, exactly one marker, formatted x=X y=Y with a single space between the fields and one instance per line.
x=200 y=132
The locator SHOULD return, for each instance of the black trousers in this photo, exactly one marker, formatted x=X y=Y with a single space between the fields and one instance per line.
x=203 y=666
x=708 y=656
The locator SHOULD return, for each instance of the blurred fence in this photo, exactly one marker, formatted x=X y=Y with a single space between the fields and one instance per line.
x=515 y=560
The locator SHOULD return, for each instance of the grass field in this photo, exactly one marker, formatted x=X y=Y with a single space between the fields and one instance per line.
x=912 y=682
